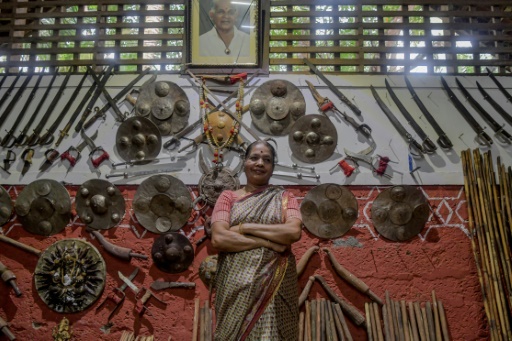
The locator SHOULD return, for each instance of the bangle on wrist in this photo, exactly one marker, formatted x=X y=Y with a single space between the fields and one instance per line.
x=240 y=228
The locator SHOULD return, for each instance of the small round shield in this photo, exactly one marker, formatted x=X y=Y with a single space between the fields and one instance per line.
x=162 y=204
x=44 y=207
x=172 y=253
x=400 y=212
x=215 y=181
x=313 y=138
x=138 y=139
x=329 y=211
x=5 y=206
x=275 y=106
x=70 y=275
x=100 y=204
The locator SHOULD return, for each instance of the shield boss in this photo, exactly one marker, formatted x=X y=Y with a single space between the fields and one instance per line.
x=329 y=211
x=100 y=204
x=44 y=207
x=313 y=138
x=162 y=204
x=138 y=139
x=399 y=213
x=275 y=106
x=172 y=253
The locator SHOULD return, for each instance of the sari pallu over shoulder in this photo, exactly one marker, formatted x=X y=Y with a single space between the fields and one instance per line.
x=256 y=290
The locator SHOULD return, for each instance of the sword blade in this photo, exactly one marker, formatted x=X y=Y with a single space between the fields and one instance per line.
x=495 y=104
x=131 y=277
x=128 y=282
x=501 y=87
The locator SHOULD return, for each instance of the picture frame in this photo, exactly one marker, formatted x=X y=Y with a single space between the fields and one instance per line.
x=210 y=21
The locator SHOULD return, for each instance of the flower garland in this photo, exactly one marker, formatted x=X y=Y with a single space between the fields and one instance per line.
x=217 y=147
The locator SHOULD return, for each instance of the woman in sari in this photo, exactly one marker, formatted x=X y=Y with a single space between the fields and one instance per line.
x=256 y=280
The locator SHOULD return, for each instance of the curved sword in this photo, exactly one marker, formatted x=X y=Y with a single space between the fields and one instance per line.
x=502 y=89
x=495 y=104
x=498 y=129
x=428 y=145
x=482 y=137
x=396 y=123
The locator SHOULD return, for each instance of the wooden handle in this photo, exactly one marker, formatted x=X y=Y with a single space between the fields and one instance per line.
x=351 y=278
x=196 y=319
x=301 y=265
x=348 y=308
x=304 y=295
x=22 y=246
x=344 y=325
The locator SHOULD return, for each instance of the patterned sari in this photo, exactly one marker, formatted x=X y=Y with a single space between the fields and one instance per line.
x=256 y=290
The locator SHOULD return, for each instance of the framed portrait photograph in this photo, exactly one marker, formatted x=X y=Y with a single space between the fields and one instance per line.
x=224 y=33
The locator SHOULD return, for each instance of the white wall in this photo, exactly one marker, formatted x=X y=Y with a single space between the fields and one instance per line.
x=443 y=167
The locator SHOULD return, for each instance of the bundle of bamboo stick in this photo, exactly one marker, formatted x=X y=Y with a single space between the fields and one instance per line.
x=323 y=320
x=202 y=328
x=490 y=227
x=410 y=321
x=129 y=336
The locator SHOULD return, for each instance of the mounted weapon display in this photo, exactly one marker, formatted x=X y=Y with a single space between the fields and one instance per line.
x=15 y=98
x=94 y=98
x=498 y=129
x=7 y=93
x=396 y=123
x=48 y=137
x=495 y=104
x=333 y=88
x=21 y=140
x=9 y=140
x=428 y=145
x=443 y=139
x=498 y=84
x=482 y=137
x=33 y=139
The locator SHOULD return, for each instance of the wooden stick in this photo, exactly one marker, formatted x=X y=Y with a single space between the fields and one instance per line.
x=323 y=331
x=386 y=323
x=405 y=321
x=313 y=320
x=301 y=326
x=196 y=319
x=430 y=321
x=425 y=323
x=346 y=331
x=305 y=292
x=202 y=323
x=377 y=323
x=318 y=321
x=419 y=321
x=444 y=325
x=332 y=327
x=398 y=319
x=437 y=322
x=348 y=308
x=414 y=325
x=337 y=322
x=307 y=331
x=369 y=321
x=301 y=265
x=389 y=313
x=351 y=278
x=20 y=245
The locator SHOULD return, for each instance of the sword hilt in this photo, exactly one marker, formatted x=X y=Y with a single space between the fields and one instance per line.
x=68 y=155
x=96 y=162
x=486 y=139
x=444 y=141
x=428 y=146
x=8 y=140
x=46 y=139
x=119 y=175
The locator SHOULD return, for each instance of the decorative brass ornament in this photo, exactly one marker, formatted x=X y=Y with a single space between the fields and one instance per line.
x=100 y=204
x=162 y=204
x=70 y=275
x=208 y=270
x=329 y=211
x=44 y=207
x=313 y=138
x=138 y=139
x=165 y=104
x=62 y=331
x=275 y=106
x=172 y=253
x=5 y=206
x=399 y=213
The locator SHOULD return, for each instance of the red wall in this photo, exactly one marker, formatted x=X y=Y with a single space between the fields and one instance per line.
x=440 y=258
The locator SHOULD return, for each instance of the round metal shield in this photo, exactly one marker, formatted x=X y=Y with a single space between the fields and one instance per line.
x=329 y=211
x=70 y=275
x=165 y=104
x=221 y=125
x=100 y=204
x=5 y=206
x=214 y=182
x=162 y=204
x=172 y=253
x=138 y=139
x=313 y=138
x=399 y=213
x=44 y=207
x=275 y=106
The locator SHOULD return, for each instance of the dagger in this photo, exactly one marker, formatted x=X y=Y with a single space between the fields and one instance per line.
x=160 y=285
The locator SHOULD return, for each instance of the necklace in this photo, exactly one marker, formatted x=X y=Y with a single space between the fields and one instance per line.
x=215 y=145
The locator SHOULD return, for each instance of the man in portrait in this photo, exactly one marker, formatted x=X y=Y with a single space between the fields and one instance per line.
x=224 y=39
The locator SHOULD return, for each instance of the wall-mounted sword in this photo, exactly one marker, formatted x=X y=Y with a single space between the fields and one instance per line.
x=428 y=145
x=501 y=87
x=498 y=129
x=15 y=98
x=443 y=139
x=482 y=138
x=495 y=104
x=396 y=123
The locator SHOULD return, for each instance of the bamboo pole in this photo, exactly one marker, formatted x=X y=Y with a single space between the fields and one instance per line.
x=337 y=323
x=430 y=321
x=414 y=325
x=386 y=323
x=305 y=292
x=405 y=320
x=301 y=326
x=369 y=321
x=376 y=316
x=202 y=324
x=425 y=323
x=346 y=331
x=332 y=327
x=313 y=320
x=318 y=321
x=322 y=320
x=419 y=321
x=444 y=324
x=307 y=331
x=390 y=316
x=196 y=319
x=399 y=323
